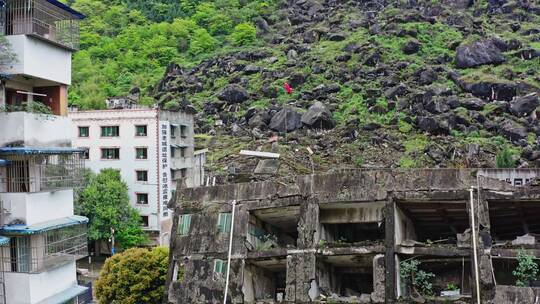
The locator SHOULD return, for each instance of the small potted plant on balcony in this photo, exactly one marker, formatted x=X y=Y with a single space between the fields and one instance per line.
x=451 y=290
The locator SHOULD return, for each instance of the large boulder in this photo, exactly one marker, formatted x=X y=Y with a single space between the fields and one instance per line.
x=411 y=47
x=318 y=117
x=286 y=120
x=513 y=131
x=484 y=51
x=525 y=105
x=233 y=93
x=432 y=125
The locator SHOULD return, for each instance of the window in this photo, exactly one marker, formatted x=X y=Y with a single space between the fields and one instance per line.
x=224 y=222
x=173 y=131
x=110 y=131
x=184 y=223
x=141 y=153
x=84 y=132
x=183 y=152
x=173 y=150
x=220 y=267
x=110 y=153
x=144 y=220
x=183 y=131
x=86 y=153
x=141 y=130
x=142 y=176
x=142 y=198
x=183 y=173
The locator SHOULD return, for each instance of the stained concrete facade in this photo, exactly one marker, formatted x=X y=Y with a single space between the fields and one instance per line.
x=341 y=237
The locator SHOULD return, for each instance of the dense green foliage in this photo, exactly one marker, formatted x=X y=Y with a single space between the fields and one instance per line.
x=106 y=203
x=128 y=44
x=415 y=279
x=527 y=270
x=505 y=159
x=134 y=276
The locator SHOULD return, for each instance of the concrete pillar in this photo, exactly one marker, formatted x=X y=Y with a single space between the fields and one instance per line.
x=301 y=283
x=390 y=263
x=379 y=279
x=308 y=223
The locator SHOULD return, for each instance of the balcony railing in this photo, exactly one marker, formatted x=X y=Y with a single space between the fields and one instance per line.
x=47 y=19
x=59 y=247
x=42 y=172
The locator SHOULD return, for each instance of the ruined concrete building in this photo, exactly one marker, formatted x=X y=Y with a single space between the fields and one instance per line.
x=344 y=237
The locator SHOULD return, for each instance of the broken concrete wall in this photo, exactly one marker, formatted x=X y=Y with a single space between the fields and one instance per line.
x=258 y=284
x=379 y=279
x=201 y=284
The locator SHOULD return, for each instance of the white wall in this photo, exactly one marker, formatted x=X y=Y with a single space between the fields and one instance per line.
x=38 y=207
x=24 y=288
x=35 y=130
x=127 y=119
x=127 y=142
x=40 y=59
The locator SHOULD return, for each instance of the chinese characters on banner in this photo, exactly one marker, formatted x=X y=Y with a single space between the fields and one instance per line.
x=165 y=191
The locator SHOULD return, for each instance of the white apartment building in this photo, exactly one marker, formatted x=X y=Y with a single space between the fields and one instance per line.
x=152 y=148
x=40 y=237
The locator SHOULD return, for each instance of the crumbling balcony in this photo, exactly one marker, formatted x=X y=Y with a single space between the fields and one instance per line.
x=44 y=19
x=352 y=224
x=273 y=228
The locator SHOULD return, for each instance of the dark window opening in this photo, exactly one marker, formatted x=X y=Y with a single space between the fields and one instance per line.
x=144 y=220
x=510 y=220
x=84 y=131
x=142 y=176
x=142 y=198
x=428 y=221
x=110 y=131
x=353 y=233
x=183 y=131
x=141 y=130
x=110 y=153
x=141 y=153
x=273 y=228
x=346 y=276
x=268 y=279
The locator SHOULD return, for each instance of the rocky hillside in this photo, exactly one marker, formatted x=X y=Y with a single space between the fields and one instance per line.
x=417 y=83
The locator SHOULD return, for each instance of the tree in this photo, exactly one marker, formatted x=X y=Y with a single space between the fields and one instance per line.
x=106 y=203
x=134 y=276
x=505 y=159
x=527 y=270
x=415 y=279
x=244 y=34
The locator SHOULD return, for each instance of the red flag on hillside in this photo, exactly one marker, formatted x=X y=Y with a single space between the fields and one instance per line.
x=288 y=88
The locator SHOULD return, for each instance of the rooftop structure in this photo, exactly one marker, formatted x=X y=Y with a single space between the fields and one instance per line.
x=344 y=237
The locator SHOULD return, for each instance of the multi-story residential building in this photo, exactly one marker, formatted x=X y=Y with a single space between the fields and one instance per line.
x=41 y=238
x=152 y=148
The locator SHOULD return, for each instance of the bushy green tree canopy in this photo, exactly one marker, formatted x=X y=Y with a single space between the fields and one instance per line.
x=7 y=56
x=134 y=276
x=129 y=43
x=106 y=203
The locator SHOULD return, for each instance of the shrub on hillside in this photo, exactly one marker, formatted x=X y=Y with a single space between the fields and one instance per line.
x=244 y=34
